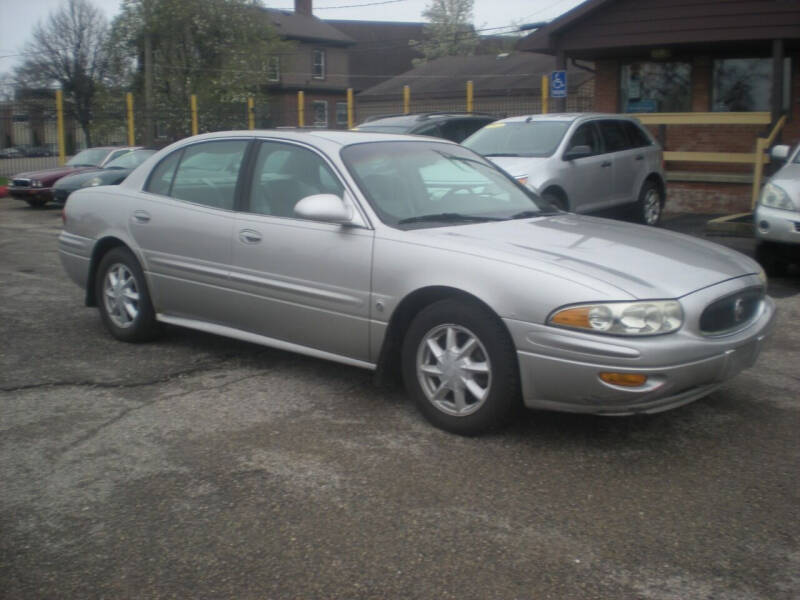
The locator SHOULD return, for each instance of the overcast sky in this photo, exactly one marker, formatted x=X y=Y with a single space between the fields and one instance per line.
x=17 y=17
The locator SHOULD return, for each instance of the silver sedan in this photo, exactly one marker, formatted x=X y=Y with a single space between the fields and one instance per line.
x=415 y=257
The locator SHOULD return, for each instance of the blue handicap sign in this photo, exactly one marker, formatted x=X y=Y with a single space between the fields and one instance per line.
x=558 y=84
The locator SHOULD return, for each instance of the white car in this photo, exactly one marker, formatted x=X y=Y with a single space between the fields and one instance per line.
x=777 y=215
x=579 y=162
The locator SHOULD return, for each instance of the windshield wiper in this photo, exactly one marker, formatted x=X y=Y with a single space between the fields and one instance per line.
x=447 y=217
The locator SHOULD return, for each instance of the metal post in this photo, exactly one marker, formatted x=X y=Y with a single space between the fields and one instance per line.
x=350 y=107
x=545 y=93
x=301 y=109
x=251 y=114
x=406 y=99
x=470 y=91
x=129 y=101
x=193 y=101
x=60 y=126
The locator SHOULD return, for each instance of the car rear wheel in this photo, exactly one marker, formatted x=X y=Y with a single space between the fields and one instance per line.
x=460 y=366
x=650 y=204
x=123 y=298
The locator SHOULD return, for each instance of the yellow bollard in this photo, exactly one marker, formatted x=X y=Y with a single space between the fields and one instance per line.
x=470 y=91
x=129 y=101
x=350 y=121
x=194 y=114
x=301 y=109
x=545 y=93
x=251 y=114
x=60 y=126
x=406 y=99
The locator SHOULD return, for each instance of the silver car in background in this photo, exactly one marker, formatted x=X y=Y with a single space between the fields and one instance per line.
x=580 y=162
x=417 y=257
x=777 y=216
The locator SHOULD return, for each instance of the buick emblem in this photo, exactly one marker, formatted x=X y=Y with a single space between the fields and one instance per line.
x=738 y=310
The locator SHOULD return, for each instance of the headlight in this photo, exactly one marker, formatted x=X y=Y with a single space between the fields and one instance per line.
x=775 y=197
x=36 y=183
x=650 y=317
x=93 y=182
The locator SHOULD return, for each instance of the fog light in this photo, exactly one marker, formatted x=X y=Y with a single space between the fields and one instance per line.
x=624 y=379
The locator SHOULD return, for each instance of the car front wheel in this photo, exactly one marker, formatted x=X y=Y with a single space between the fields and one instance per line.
x=123 y=299
x=460 y=366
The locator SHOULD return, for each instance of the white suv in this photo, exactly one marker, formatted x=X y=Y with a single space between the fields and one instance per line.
x=580 y=162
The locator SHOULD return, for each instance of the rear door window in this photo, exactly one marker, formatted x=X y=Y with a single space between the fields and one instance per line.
x=613 y=135
x=637 y=137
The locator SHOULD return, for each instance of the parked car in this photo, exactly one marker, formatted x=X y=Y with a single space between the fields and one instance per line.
x=413 y=255
x=11 y=152
x=36 y=151
x=112 y=173
x=777 y=215
x=580 y=162
x=36 y=187
x=455 y=127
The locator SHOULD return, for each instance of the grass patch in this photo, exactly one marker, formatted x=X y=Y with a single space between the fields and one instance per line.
x=3 y=181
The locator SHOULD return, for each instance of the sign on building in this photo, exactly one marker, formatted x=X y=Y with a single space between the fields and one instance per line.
x=558 y=84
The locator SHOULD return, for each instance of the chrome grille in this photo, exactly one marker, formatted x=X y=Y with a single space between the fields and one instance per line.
x=21 y=182
x=732 y=312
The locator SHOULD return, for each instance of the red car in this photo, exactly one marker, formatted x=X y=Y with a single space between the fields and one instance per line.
x=35 y=187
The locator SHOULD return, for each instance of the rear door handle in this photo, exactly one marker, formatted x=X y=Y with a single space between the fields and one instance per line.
x=605 y=164
x=249 y=236
x=141 y=216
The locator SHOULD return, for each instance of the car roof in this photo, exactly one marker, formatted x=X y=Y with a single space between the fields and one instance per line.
x=340 y=138
x=423 y=117
x=565 y=117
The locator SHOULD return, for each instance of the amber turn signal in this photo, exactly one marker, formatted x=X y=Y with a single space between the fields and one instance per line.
x=573 y=317
x=624 y=379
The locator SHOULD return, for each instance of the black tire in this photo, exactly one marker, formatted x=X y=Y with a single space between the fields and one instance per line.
x=501 y=385
x=773 y=262
x=36 y=202
x=141 y=327
x=650 y=204
x=556 y=200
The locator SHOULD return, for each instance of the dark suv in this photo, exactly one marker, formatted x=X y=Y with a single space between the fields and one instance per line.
x=450 y=126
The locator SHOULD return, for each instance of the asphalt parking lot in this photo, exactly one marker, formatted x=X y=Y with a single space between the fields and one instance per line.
x=201 y=467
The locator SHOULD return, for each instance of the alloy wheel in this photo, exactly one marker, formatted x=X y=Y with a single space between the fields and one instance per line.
x=121 y=295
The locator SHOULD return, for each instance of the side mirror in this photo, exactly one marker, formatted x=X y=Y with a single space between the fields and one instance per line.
x=577 y=152
x=324 y=207
x=780 y=153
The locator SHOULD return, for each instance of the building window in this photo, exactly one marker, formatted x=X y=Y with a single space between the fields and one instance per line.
x=320 y=108
x=274 y=68
x=745 y=84
x=656 y=87
x=318 y=64
x=341 y=113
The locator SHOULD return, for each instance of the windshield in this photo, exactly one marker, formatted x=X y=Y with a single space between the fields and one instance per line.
x=518 y=138
x=90 y=157
x=131 y=160
x=425 y=184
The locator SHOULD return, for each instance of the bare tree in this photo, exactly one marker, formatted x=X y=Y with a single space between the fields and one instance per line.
x=68 y=48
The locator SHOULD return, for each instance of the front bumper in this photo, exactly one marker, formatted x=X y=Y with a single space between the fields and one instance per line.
x=31 y=193
x=560 y=368
x=777 y=225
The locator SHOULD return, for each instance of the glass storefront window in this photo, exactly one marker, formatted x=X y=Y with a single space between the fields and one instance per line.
x=656 y=87
x=745 y=84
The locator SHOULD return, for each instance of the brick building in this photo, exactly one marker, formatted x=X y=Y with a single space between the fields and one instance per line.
x=708 y=77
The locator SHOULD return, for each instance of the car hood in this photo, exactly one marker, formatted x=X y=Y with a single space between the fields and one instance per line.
x=517 y=166
x=48 y=176
x=75 y=180
x=644 y=262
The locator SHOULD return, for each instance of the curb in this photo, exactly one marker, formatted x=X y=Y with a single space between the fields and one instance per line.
x=739 y=224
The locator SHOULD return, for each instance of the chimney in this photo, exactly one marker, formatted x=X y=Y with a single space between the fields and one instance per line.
x=302 y=7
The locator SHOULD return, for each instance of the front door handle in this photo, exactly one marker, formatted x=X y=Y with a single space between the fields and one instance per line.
x=141 y=216
x=605 y=164
x=249 y=236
